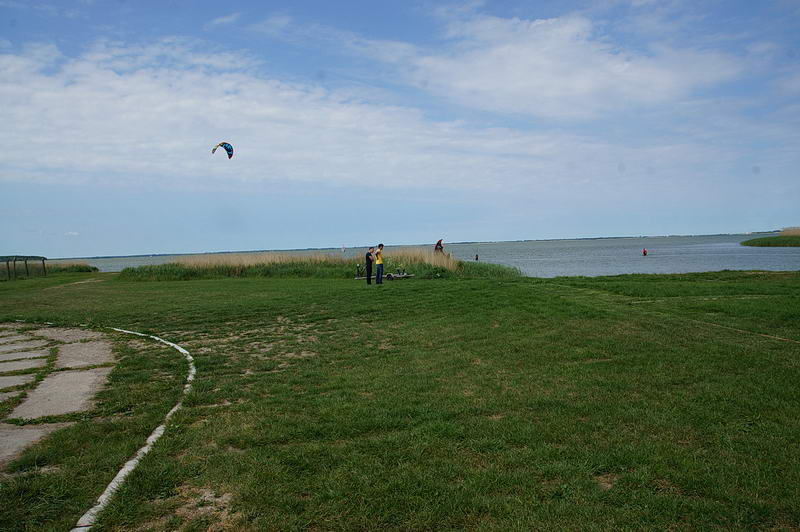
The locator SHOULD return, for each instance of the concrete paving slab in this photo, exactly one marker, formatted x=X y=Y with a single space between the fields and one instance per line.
x=15 y=380
x=13 y=438
x=67 y=335
x=8 y=395
x=14 y=338
x=23 y=354
x=84 y=354
x=22 y=345
x=22 y=364
x=62 y=392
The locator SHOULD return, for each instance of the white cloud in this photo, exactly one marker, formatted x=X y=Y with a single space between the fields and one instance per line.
x=72 y=233
x=148 y=115
x=223 y=20
x=560 y=68
x=283 y=27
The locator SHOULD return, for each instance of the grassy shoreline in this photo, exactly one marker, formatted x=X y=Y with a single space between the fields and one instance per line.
x=638 y=402
x=774 y=241
x=789 y=237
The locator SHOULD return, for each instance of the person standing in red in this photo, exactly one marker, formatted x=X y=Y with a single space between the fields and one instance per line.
x=439 y=246
x=644 y=252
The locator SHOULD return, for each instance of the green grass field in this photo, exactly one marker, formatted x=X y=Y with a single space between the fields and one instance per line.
x=631 y=402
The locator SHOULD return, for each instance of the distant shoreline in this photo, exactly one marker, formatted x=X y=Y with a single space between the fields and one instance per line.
x=410 y=245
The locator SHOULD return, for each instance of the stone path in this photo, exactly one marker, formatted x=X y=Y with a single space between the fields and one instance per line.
x=23 y=354
x=84 y=354
x=68 y=386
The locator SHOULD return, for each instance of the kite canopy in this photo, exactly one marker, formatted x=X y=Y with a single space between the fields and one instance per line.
x=227 y=147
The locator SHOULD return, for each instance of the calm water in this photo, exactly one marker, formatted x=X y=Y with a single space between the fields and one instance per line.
x=613 y=256
x=608 y=256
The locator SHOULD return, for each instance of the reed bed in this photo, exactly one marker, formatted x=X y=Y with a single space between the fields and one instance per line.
x=252 y=259
x=791 y=231
x=70 y=266
x=420 y=262
x=407 y=256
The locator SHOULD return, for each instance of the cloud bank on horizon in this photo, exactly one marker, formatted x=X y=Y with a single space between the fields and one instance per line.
x=565 y=109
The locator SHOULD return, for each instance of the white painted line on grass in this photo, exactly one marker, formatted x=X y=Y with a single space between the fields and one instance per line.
x=89 y=518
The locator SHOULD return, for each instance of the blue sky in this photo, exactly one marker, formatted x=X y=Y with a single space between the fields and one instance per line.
x=402 y=122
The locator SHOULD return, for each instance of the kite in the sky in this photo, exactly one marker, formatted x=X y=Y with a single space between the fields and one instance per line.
x=228 y=148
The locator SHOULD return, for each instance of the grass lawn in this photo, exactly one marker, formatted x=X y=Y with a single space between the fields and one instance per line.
x=628 y=402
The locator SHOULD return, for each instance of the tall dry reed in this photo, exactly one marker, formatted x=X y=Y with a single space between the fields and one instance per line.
x=791 y=231
x=399 y=256
x=253 y=259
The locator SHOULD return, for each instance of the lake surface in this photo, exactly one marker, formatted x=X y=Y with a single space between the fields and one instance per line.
x=614 y=256
x=605 y=256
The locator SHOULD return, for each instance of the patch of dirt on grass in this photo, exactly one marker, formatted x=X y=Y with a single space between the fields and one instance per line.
x=76 y=282
x=44 y=470
x=665 y=486
x=204 y=503
x=496 y=417
x=216 y=405
x=301 y=354
x=140 y=344
x=606 y=481
x=196 y=504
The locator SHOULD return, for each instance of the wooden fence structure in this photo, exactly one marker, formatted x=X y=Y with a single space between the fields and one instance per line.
x=11 y=264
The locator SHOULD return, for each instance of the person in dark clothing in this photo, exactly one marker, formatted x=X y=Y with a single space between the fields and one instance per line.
x=439 y=246
x=368 y=260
